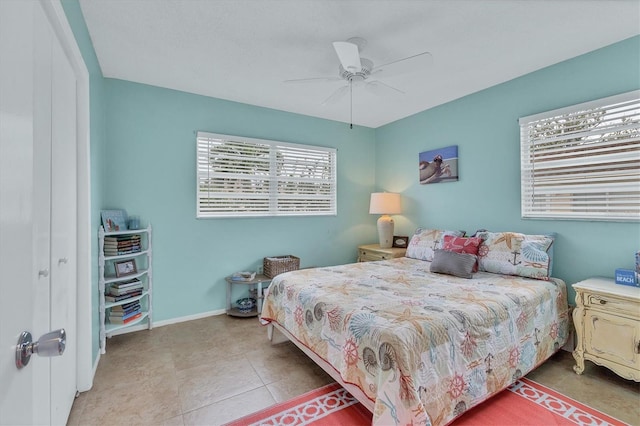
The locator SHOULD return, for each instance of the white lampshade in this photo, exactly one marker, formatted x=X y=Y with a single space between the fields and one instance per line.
x=385 y=203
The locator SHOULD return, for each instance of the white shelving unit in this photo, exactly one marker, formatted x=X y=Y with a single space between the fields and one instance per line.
x=107 y=276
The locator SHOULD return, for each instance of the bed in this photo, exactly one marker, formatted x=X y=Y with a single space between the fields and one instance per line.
x=414 y=346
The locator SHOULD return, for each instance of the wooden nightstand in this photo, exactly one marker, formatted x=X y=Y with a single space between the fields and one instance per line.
x=371 y=252
x=607 y=321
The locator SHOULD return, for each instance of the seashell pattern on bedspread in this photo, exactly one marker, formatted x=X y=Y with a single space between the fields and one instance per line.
x=424 y=347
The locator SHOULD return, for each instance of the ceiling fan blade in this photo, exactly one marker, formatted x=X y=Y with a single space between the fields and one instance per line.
x=348 y=55
x=401 y=66
x=312 y=80
x=382 y=89
x=336 y=95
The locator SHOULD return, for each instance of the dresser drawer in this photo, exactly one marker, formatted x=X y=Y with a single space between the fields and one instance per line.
x=373 y=252
x=612 y=304
x=371 y=256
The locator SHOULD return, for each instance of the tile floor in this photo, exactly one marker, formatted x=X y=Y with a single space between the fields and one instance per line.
x=214 y=370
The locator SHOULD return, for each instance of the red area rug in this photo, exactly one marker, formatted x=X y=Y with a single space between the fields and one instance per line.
x=523 y=403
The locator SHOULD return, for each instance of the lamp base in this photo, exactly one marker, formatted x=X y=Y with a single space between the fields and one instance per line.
x=385 y=231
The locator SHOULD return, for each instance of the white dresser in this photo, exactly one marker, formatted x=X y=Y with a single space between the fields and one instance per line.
x=607 y=322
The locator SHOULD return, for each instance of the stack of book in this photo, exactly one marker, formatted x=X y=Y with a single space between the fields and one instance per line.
x=126 y=313
x=123 y=290
x=122 y=244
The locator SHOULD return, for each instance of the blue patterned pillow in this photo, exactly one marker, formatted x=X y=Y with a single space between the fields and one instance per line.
x=512 y=253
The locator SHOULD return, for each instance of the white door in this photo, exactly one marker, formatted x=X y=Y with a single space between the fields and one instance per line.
x=37 y=246
x=63 y=231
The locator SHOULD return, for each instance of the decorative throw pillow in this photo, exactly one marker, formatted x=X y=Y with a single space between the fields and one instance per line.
x=452 y=263
x=512 y=253
x=551 y=235
x=425 y=241
x=462 y=245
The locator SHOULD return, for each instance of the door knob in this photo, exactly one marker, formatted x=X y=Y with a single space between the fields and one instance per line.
x=49 y=344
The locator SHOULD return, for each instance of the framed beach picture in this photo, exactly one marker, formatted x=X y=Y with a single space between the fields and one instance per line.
x=114 y=220
x=438 y=165
x=125 y=267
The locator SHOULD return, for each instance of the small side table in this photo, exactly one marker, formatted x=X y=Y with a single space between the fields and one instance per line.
x=373 y=252
x=254 y=283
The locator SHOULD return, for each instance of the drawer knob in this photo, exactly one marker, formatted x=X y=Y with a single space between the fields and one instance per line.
x=603 y=302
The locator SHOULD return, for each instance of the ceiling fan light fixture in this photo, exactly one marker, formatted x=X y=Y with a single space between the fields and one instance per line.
x=356 y=71
x=359 y=75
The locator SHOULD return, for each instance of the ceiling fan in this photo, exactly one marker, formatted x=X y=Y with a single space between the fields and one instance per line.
x=359 y=71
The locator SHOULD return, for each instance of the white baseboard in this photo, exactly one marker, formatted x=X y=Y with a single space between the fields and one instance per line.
x=189 y=318
x=162 y=323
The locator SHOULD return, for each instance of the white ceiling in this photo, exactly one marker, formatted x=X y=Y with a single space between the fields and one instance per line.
x=242 y=50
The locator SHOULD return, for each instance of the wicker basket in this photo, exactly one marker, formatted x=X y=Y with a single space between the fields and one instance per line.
x=276 y=265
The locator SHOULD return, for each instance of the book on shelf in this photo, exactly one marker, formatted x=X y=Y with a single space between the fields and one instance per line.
x=124 y=237
x=121 y=320
x=127 y=287
x=126 y=306
x=122 y=246
x=117 y=320
x=127 y=283
x=118 y=252
x=129 y=243
x=112 y=291
x=121 y=239
x=125 y=314
x=126 y=250
x=110 y=298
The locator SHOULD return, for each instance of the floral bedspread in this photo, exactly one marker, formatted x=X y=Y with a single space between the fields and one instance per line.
x=424 y=347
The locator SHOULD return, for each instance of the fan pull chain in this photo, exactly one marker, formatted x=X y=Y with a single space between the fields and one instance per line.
x=351 y=104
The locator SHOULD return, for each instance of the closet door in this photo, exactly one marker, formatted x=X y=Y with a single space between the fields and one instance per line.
x=63 y=230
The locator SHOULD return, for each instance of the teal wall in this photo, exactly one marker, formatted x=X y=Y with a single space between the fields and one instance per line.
x=97 y=146
x=151 y=172
x=485 y=127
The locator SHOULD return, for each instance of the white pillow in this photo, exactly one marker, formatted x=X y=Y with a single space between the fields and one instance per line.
x=424 y=242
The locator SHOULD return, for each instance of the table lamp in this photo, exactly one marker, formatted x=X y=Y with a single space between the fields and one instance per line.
x=385 y=203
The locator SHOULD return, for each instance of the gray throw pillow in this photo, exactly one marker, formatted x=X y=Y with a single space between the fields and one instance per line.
x=452 y=263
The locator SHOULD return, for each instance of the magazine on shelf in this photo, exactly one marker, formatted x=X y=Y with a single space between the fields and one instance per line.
x=114 y=220
x=243 y=276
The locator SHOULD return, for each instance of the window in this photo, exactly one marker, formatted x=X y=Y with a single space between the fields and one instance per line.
x=240 y=177
x=583 y=162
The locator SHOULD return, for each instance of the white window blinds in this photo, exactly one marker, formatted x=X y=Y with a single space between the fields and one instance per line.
x=583 y=162
x=240 y=176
